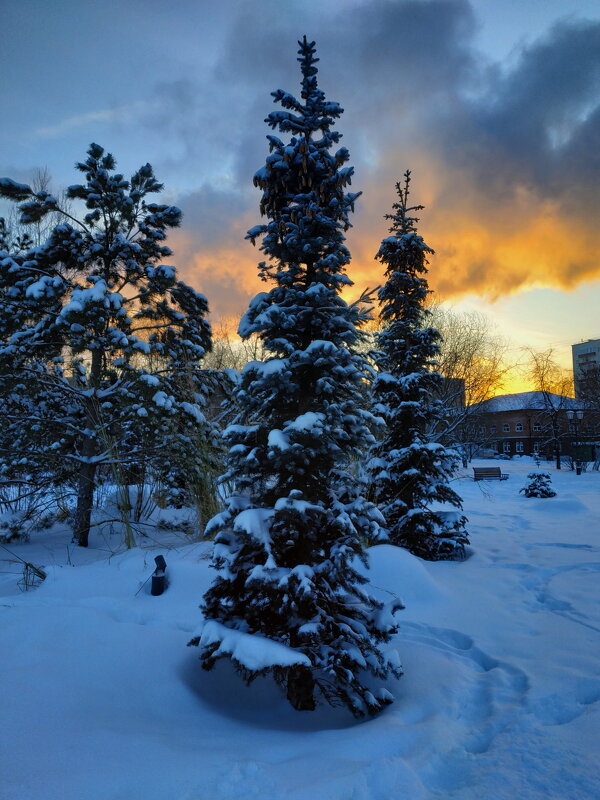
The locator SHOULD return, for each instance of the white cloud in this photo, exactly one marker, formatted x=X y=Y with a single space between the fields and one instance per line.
x=121 y=114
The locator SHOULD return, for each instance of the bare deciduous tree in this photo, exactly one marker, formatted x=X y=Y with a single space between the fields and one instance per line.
x=473 y=362
x=22 y=236
x=229 y=350
x=556 y=387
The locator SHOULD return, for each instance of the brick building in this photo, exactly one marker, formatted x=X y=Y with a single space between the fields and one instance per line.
x=530 y=422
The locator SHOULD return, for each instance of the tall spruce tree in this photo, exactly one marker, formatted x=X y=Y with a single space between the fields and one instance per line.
x=97 y=336
x=409 y=473
x=288 y=599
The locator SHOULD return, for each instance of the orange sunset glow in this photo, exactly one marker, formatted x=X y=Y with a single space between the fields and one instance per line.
x=493 y=106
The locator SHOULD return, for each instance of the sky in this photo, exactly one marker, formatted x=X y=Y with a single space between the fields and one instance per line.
x=493 y=104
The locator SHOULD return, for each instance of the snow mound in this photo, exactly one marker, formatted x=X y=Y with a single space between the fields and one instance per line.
x=393 y=570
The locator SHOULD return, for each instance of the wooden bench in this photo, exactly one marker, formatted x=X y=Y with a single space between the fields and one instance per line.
x=488 y=474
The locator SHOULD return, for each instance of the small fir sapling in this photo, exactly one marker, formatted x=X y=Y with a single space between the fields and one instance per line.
x=408 y=472
x=538 y=486
x=289 y=599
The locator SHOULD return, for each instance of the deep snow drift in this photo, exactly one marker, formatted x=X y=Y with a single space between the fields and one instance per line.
x=101 y=699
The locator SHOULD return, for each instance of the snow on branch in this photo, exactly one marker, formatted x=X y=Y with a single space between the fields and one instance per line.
x=252 y=651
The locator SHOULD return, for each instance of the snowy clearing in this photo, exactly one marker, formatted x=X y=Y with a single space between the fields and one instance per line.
x=102 y=700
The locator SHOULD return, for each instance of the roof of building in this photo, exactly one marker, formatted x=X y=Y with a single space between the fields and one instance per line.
x=529 y=401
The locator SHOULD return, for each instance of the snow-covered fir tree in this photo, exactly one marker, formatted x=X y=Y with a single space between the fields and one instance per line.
x=409 y=473
x=289 y=599
x=99 y=341
x=539 y=485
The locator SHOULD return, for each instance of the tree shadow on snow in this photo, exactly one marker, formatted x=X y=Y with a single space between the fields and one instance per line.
x=261 y=705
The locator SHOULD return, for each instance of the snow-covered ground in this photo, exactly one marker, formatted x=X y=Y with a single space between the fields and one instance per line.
x=101 y=700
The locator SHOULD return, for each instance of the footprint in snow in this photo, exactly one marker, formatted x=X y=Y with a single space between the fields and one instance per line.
x=492 y=694
x=565 y=706
x=540 y=584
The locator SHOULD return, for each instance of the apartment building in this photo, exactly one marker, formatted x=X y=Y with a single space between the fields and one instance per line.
x=586 y=360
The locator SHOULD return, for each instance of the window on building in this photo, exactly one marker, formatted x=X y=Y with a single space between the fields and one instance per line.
x=519 y=447
x=481 y=429
x=492 y=429
x=506 y=427
x=519 y=427
x=507 y=447
x=571 y=427
x=537 y=427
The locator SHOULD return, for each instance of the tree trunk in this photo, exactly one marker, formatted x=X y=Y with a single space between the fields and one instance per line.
x=87 y=473
x=139 y=500
x=85 y=500
x=300 y=689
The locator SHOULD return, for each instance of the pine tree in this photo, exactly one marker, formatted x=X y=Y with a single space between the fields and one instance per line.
x=409 y=473
x=96 y=335
x=289 y=599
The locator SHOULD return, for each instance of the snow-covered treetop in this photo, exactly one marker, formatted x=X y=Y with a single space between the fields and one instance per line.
x=403 y=222
x=407 y=345
x=404 y=254
x=97 y=282
x=117 y=206
x=316 y=113
x=304 y=198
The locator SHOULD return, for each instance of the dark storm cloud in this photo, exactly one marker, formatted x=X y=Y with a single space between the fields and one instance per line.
x=381 y=60
x=534 y=116
x=503 y=157
x=411 y=52
x=522 y=163
x=581 y=162
x=206 y=209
